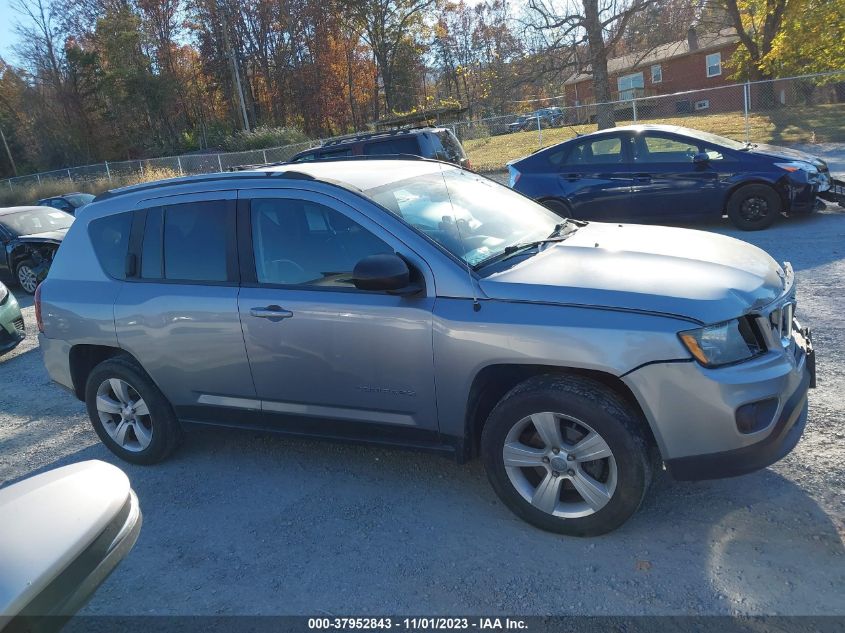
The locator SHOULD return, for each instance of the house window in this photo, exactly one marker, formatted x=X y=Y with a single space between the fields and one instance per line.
x=630 y=86
x=656 y=74
x=714 y=64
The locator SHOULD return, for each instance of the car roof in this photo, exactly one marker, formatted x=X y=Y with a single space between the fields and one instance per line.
x=363 y=137
x=356 y=173
x=32 y=207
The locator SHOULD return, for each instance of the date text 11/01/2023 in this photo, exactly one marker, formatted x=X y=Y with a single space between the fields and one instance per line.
x=421 y=623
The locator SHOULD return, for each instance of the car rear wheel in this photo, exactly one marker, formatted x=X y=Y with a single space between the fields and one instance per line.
x=129 y=413
x=27 y=279
x=568 y=455
x=754 y=207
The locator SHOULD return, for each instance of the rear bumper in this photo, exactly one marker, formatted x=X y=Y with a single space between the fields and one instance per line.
x=56 y=355
x=784 y=436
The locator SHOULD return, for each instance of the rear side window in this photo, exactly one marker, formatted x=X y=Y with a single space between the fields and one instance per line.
x=334 y=153
x=186 y=242
x=598 y=152
x=110 y=237
x=405 y=145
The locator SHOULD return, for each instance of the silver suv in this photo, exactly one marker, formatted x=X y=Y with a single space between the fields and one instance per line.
x=413 y=303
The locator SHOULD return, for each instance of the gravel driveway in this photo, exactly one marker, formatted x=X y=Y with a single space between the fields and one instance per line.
x=239 y=523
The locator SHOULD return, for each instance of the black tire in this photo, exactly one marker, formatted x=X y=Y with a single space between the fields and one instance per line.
x=558 y=207
x=165 y=428
x=754 y=207
x=23 y=274
x=590 y=403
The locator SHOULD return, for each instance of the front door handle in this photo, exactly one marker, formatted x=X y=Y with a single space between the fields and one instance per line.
x=572 y=177
x=642 y=177
x=274 y=313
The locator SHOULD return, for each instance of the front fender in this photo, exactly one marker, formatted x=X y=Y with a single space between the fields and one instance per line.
x=594 y=339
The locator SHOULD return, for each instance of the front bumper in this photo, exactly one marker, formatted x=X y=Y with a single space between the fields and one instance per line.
x=784 y=436
x=693 y=410
x=12 y=328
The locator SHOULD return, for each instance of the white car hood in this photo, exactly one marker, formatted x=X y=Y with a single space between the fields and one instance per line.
x=695 y=274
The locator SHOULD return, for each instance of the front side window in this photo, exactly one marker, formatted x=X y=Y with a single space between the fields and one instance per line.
x=110 y=238
x=657 y=148
x=470 y=216
x=451 y=147
x=714 y=64
x=304 y=243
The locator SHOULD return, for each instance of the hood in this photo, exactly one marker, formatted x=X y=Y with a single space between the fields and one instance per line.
x=695 y=274
x=786 y=153
x=47 y=236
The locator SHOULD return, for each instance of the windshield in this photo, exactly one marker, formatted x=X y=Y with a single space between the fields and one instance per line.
x=36 y=221
x=719 y=140
x=79 y=199
x=474 y=218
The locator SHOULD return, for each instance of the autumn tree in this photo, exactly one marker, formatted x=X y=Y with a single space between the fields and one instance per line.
x=596 y=25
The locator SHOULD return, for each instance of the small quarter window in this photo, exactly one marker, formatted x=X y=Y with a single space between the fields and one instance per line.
x=110 y=237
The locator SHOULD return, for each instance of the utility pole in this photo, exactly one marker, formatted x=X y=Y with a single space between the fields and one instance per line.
x=236 y=74
x=8 y=152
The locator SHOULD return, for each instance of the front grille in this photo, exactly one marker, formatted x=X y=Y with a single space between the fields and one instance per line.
x=780 y=320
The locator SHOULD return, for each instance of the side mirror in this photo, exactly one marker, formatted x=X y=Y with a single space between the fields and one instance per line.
x=48 y=574
x=700 y=158
x=386 y=273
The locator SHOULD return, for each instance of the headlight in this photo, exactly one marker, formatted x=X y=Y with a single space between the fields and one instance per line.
x=798 y=165
x=513 y=176
x=723 y=343
x=4 y=292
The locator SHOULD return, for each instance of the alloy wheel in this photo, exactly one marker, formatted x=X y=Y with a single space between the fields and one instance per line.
x=27 y=278
x=124 y=415
x=560 y=465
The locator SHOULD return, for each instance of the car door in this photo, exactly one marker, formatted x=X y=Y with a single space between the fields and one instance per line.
x=177 y=312
x=595 y=177
x=668 y=183
x=327 y=358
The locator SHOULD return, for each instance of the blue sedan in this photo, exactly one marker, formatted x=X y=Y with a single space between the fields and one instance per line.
x=662 y=173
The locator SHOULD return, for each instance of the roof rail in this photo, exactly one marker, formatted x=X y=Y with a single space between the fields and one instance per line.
x=289 y=175
x=363 y=136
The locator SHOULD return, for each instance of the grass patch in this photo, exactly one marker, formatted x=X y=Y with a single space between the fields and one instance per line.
x=31 y=193
x=780 y=127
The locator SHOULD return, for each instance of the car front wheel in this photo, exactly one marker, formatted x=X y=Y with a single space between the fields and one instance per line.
x=568 y=455
x=27 y=279
x=129 y=413
x=754 y=207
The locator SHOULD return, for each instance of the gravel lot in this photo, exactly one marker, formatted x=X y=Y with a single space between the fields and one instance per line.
x=239 y=523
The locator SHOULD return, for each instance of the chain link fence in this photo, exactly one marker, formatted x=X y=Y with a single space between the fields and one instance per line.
x=797 y=110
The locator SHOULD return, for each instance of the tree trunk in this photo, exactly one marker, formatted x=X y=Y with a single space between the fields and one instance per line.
x=598 y=60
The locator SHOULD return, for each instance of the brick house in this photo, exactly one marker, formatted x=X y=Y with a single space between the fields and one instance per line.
x=695 y=63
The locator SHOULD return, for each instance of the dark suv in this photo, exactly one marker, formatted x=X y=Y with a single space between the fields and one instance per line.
x=429 y=142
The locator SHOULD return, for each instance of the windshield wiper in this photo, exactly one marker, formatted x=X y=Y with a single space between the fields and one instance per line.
x=558 y=235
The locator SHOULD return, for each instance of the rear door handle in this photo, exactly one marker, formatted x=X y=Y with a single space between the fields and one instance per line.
x=274 y=313
x=642 y=177
x=572 y=177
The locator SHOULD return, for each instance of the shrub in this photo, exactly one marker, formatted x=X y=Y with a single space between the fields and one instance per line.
x=32 y=192
x=262 y=138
